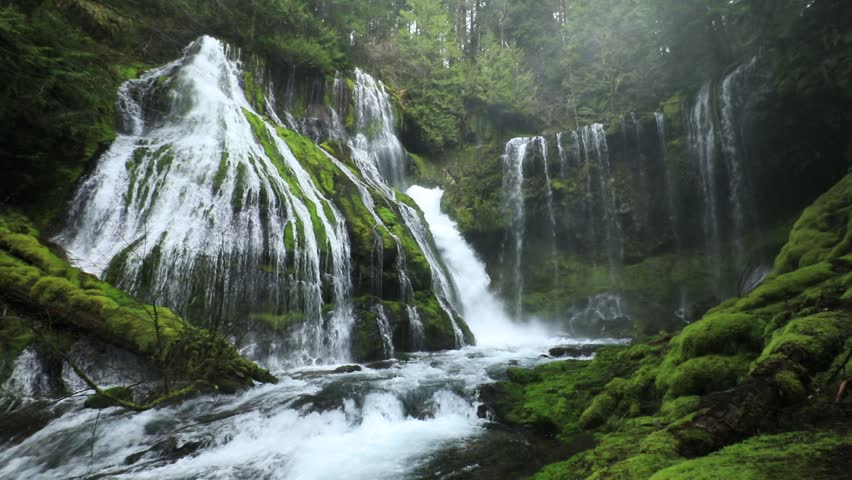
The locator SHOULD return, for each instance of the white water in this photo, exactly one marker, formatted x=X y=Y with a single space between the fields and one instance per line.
x=371 y=425
x=382 y=162
x=513 y=205
x=718 y=125
x=374 y=424
x=484 y=312
x=153 y=201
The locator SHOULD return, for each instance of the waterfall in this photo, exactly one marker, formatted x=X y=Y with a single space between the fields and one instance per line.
x=548 y=191
x=702 y=143
x=595 y=152
x=563 y=160
x=739 y=92
x=513 y=204
x=671 y=187
x=191 y=198
x=597 y=314
x=385 y=330
x=382 y=162
x=718 y=125
x=671 y=201
x=375 y=129
x=482 y=310
x=589 y=153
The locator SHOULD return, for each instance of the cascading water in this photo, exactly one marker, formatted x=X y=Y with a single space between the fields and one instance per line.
x=718 y=124
x=513 y=204
x=192 y=198
x=548 y=192
x=740 y=91
x=375 y=129
x=378 y=424
x=563 y=160
x=483 y=311
x=590 y=157
x=594 y=151
x=702 y=142
x=382 y=161
x=671 y=202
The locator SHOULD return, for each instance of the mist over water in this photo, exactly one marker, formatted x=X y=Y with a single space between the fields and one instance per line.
x=484 y=312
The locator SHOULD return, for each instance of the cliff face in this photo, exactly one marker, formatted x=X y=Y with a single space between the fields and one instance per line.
x=767 y=363
x=649 y=219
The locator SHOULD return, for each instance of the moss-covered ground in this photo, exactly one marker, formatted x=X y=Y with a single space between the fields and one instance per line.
x=746 y=392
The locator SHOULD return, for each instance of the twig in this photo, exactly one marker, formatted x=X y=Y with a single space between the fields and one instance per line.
x=92 y=451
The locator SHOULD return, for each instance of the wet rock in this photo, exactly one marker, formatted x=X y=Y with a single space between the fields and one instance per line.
x=573 y=351
x=24 y=421
x=167 y=449
x=348 y=369
x=383 y=365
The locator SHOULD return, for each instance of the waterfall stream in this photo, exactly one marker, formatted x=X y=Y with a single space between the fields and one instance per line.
x=411 y=419
x=191 y=198
x=718 y=123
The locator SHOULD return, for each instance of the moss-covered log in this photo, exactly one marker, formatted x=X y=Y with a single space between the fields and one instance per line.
x=44 y=286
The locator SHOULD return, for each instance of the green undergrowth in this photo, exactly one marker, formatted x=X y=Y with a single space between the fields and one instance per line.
x=766 y=363
x=46 y=289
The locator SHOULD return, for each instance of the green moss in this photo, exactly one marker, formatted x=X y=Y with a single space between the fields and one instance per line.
x=289 y=237
x=718 y=333
x=254 y=92
x=367 y=343
x=788 y=456
x=676 y=408
x=786 y=286
x=107 y=398
x=811 y=341
x=240 y=187
x=702 y=375
x=822 y=232
x=623 y=397
x=15 y=337
x=52 y=289
x=34 y=279
x=279 y=322
x=221 y=172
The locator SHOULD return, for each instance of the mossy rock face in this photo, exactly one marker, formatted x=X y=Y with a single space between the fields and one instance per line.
x=772 y=359
x=823 y=231
x=367 y=344
x=812 y=341
x=373 y=277
x=15 y=337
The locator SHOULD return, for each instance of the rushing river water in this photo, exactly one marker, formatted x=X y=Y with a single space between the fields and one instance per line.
x=418 y=418
x=403 y=421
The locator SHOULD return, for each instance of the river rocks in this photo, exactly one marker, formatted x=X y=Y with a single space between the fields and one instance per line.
x=573 y=351
x=168 y=449
x=348 y=369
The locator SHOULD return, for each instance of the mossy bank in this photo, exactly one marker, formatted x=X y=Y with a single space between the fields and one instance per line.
x=748 y=391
